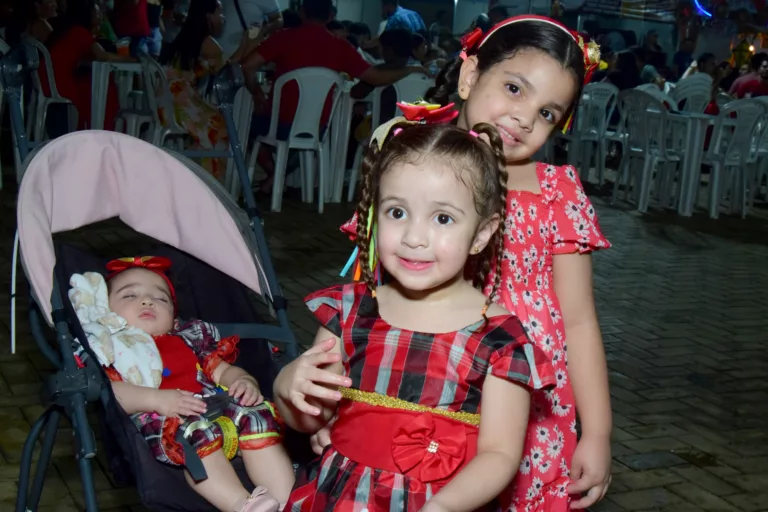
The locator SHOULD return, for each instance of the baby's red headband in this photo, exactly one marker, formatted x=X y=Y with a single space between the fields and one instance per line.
x=157 y=264
x=475 y=39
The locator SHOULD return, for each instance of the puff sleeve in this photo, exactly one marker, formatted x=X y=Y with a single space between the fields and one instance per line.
x=517 y=359
x=574 y=225
x=327 y=306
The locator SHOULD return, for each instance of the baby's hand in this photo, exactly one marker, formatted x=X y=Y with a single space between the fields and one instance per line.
x=246 y=391
x=177 y=403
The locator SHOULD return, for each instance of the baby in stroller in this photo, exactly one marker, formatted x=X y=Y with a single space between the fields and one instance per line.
x=196 y=364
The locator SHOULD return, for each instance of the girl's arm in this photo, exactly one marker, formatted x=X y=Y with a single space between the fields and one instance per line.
x=210 y=52
x=503 y=422
x=586 y=356
x=306 y=391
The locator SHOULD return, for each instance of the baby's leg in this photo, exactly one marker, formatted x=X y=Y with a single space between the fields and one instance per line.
x=222 y=487
x=270 y=467
x=266 y=461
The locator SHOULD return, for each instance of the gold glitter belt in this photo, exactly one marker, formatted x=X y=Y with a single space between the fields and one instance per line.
x=375 y=399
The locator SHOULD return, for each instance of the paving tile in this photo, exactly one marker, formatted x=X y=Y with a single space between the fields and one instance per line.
x=646 y=499
x=651 y=460
x=697 y=495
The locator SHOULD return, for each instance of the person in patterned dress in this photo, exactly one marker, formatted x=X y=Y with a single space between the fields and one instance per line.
x=524 y=76
x=430 y=380
x=197 y=363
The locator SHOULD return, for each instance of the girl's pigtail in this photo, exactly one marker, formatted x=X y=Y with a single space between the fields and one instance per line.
x=366 y=209
x=495 y=250
x=446 y=83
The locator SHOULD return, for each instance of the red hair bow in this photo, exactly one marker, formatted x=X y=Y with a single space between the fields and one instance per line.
x=422 y=112
x=157 y=264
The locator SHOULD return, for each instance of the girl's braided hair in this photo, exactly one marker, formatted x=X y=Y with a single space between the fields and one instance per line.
x=480 y=165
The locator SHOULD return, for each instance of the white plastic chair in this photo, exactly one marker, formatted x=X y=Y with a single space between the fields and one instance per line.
x=733 y=147
x=694 y=93
x=411 y=88
x=644 y=119
x=158 y=95
x=314 y=83
x=36 y=125
x=598 y=101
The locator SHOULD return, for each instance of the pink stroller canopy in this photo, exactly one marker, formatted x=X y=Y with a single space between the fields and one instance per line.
x=90 y=176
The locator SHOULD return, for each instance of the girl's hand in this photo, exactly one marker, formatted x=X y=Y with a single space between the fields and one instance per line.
x=591 y=470
x=246 y=391
x=304 y=378
x=177 y=403
x=322 y=438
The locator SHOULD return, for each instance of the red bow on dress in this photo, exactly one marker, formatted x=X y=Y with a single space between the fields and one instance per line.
x=419 y=453
x=157 y=264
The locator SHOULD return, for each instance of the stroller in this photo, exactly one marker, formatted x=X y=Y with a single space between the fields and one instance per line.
x=220 y=260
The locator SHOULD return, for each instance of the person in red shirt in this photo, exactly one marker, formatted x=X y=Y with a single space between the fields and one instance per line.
x=756 y=87
x=309 y=45
x=756 y=63
x=131 y=20
x=196 y=362
x=72 y=44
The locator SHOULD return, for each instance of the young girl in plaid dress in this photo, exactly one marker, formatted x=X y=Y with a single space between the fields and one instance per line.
x=524 y=76
x=429 y=379
x=196 y=363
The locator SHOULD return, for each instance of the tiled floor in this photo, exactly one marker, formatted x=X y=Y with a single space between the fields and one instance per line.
x=684 y=310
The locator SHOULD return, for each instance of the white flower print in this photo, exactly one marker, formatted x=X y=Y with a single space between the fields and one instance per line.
x=581 y=227
x=520 y=236
x=561 y=490
x=547 y=343
x=537 y=484
x=591 y=211
x=559 y=335
x=561 y=410
x=561 y=378
x=513 y=204
x=554 y=229
x=532 y=212
x=518 y=275
x=550 y=171
x=527 y=297
x=571 y=173
x=534 y=326
x=530 y=494
x=545 y=466
x=554 y=448
x=533 y=252
x=573 y=427
x=519 y=215
x=564 y=471
x=581 y=196
x=542 y=434
x=538 y=304
x=527 y=260
x=529 y=231
x=525 y=465
x=561 y=435
x=543 y=230
x=557 y=356
x=554 y=314
x=539 y=279
x=573 y=210
x=537 y=455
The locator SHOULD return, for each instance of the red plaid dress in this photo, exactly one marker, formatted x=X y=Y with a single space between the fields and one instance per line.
x=439 y=371
x=560 y=220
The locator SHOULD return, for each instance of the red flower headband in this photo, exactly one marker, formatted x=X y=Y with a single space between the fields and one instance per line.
x=591 y=50
x=157 y=264
x=475 y=39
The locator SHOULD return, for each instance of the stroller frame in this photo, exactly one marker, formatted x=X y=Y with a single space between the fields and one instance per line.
x=73 y=385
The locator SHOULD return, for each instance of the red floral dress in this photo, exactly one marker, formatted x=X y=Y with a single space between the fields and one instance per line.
x=560 y=220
